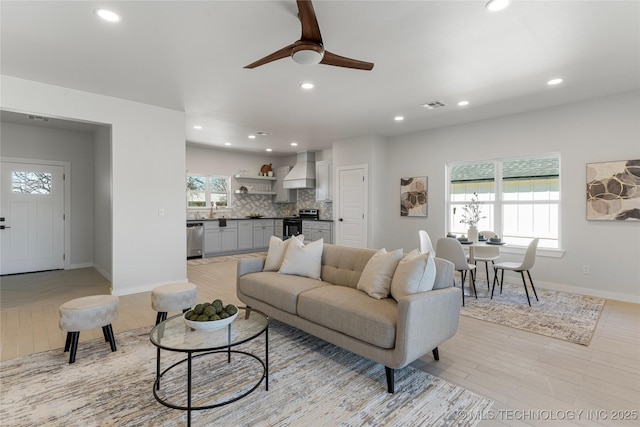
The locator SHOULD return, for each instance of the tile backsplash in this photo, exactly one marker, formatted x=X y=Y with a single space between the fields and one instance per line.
x=245 y=204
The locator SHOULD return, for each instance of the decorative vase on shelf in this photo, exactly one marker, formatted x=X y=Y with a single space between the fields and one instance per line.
x=472 y=233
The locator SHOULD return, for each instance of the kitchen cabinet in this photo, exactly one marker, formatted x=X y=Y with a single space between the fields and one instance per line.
x=314 y=230
x=279 y=229
x=262 y=232
x=256 y=184
x=245 y=234
x=220 y=239
x=283 y=195
x=324 y=181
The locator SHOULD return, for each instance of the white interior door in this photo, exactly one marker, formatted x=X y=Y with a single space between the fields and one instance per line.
x=32 y=209
x=352 y=207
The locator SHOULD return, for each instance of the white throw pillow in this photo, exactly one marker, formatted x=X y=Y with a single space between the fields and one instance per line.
x=376 y=276
x=275 y=254
x=303 y=260
x=415 y=273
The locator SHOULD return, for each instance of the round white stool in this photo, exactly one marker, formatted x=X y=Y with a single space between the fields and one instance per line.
x=82 y=314
x=173 y=297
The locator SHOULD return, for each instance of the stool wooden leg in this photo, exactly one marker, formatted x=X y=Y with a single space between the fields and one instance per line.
x=75 y=336
x=109 y=332
x=161 y=317
x=67 y=343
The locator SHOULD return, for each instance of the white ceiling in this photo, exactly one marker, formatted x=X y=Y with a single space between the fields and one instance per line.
x=189 y=56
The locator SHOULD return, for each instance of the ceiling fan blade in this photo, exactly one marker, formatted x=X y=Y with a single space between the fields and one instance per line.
x=282 y=53
x=341 y=61
x=310 y=28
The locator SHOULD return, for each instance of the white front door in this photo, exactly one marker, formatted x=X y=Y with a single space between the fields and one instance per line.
x=352 y=206
x=32 y=213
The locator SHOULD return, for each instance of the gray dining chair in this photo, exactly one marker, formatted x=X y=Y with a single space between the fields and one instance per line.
x=525 y=265
x=451 y=250
x=425 y=243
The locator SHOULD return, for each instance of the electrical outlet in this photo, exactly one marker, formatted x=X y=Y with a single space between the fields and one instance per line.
x=160 y=211
x=586 y=269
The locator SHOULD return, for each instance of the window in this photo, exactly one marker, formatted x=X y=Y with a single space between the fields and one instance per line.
x=31 y=182
x=205 y=191
x=520 y=198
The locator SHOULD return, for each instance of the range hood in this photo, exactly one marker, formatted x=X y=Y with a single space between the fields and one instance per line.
x=303 y=174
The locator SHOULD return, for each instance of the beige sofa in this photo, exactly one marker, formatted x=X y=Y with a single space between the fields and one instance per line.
x=393 y=333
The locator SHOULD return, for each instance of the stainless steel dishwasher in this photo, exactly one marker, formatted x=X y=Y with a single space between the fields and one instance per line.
x=195 y=234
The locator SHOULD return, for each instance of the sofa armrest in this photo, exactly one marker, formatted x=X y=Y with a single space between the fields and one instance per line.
x=249 y=265
x=425 y=320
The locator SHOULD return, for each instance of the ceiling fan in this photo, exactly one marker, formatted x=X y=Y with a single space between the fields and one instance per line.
x=309 y=50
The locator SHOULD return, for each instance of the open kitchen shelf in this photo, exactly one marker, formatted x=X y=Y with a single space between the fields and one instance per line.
x=267 y=193
x=254 y=178
x=250 y=179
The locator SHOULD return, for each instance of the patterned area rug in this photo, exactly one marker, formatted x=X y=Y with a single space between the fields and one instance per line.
x=310 y=383
x=202 y=261
x=562 y=315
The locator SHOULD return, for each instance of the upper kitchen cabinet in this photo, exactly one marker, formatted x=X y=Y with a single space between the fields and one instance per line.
x=256 y=184
x=284 y=195
x=324 y=181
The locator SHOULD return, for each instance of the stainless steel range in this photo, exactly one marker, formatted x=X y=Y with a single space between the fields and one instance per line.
x=293 y=226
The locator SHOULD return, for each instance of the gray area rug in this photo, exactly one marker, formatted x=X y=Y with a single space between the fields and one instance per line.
x=311 y=383
x=561 y=315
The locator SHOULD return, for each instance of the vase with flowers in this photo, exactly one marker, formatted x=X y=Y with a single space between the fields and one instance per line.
x=471 y=217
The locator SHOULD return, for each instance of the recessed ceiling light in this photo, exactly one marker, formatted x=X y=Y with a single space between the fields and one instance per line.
x=268 y=149
x=294 y=144
x=398 y=118
x=197 y=127
x=306 y=86
x=107 y=15
x=227 y=143
x=553 y=82
x=252 y=137
x=463 y=103
x=496 y=5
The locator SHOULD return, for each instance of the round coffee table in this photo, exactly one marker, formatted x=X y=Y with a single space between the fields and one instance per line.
x=175 y=336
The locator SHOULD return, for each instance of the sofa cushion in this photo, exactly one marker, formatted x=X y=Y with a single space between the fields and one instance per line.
x=278 y=290
x=376 y=276
x=303 y=260
x=342 y=265
x=351 y=312
x=277 y=249
x=415 y=273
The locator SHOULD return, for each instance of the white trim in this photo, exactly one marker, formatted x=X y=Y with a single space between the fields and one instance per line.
x=146 y=288
x=104 y=274
x=82 y=265
x=574 y=290
x=67 y=197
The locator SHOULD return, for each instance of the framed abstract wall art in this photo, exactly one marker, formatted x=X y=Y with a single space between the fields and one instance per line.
x=613 y=190
x=413 y=196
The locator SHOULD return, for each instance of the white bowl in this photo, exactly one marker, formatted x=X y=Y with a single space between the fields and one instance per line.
x=210 y=325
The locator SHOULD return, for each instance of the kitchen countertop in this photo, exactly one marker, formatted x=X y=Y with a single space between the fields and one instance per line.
x=246 y=218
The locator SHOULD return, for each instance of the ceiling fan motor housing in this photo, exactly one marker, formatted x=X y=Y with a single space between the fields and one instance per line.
x=307 y=52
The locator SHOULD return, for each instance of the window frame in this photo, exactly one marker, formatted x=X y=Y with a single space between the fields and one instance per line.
x=208 y=192
x=499 y=203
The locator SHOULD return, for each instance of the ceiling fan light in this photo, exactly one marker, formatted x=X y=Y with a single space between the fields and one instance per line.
x=307 y=57
x=496 y=5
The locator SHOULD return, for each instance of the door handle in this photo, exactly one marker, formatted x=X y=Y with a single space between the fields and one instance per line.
x=2 y=227
x=340 y=219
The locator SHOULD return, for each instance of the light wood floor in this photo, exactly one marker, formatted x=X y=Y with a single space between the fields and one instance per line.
x=532 y=379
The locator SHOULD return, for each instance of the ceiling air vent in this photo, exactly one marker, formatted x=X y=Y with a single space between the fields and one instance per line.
x=433 y=105
x=39 y=118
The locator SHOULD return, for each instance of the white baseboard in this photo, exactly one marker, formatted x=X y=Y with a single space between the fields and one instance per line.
x=145 y=288
x=580 y=291
x=82 y=265
x=104 y=273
